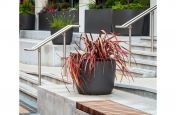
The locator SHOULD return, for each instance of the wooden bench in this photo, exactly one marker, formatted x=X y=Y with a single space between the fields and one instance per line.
x=107 y=107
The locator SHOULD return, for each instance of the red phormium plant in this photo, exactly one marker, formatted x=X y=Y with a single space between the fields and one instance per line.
x=105 y=47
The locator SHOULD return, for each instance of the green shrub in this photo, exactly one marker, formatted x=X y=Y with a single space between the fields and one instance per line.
x=145 y=3
x=61 y=21
x=121 y=4
x=76 y=6
x=128 y=6
x=125 y=2
x=135 y=6
x=95 y=6
x=109 y=3
x=26 y=7
x=65 y=6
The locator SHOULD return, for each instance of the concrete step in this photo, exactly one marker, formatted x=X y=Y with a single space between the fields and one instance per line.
x=144 y=64
x=126 y=38
x=51 y=54
x=140 y=73
x=143 y=47
x=141 y=86
x=146 y=55
x=34 y=34
x=28 y=96
x=135 y=39
x=136 y=46
x=27 y=102
x=51 y=74
x=149 y=38
x=41 y=35
x=32 y=80
x=27 y=89
x=47 y=78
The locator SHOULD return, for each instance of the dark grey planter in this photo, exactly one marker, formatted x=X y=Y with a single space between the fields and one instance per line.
x=146 y=26
x=27 y=22
x=98 y=19
x=59 y=40
x=45 y=18
x=101 y=81
x=122 y=16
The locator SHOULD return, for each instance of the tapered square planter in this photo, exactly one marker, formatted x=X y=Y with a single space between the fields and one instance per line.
x=122 y=16
x=98 y=19
x=146 y=26
x=59 y=40
x=45 y=18
x=27 y=22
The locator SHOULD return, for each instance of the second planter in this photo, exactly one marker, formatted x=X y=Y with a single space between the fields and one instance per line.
x=60 y=40
x=45 y=18
x=122 y=16
x=27 y=21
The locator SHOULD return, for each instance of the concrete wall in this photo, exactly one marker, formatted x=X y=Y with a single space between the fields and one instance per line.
x=83 y=5
x=50 y=103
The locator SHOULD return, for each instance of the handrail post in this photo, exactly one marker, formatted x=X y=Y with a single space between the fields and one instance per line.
x=39 y=66
x=130 y=27
x=152 y=30
x=64 y=54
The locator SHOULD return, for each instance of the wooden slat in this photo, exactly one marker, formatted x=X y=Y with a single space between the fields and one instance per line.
x=107 y=107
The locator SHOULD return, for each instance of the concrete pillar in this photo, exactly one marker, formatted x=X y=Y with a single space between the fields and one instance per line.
x=39 y=4
x=152 y=3
x=83 y=5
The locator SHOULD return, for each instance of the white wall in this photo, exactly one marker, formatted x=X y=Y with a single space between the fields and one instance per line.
x=82 y=7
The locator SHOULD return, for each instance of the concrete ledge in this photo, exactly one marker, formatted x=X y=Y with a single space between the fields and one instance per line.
x=145 y=84
x=56 y=100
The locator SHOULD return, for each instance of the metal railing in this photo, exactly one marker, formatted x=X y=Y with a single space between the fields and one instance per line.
x=45 y=41
x=129 y=23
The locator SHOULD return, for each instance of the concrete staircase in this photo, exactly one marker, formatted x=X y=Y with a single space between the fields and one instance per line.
x=144 y=68
x=144 y=63
x=51 y=54
x=29 y=84
x=29 y=78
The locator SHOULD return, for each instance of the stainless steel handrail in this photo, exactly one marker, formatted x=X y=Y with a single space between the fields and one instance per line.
x=45 y=41
x=136 y=18
x=48 y=39
x=129 y=23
